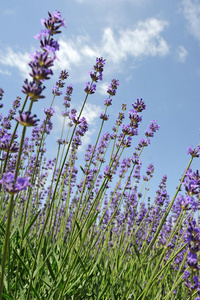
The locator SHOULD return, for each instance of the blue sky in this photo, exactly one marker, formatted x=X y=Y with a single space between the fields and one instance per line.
x=151 y=46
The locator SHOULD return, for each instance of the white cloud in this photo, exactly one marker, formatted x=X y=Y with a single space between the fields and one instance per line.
x=102 y=88
x=191 y=11
x=91 y=112
x=58 y=119
x=68 y=55
x=5 y=72
x=142 y=41
x=8 y=57
x=181 y=54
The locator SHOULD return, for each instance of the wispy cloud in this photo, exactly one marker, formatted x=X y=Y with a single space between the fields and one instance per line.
x=102 y=88
x=5 y=72
x=9 y=12
x=191 y=11
x=10 y=58
x=144 y=40
x=91 y=113
x=181 y=54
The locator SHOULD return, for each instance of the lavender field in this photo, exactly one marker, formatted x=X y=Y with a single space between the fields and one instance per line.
x=83 y=225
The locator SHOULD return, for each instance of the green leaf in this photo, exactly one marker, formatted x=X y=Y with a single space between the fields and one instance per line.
x=79 y=230
x=30 y=225
x=2 y=229
x=21 y=261
x=136 y=248
x=82 y=169
x=7 y=297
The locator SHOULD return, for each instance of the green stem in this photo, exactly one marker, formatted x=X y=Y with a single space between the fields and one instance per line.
x=12 y=138
x=6 y=243
x=168 y=210
x=51 y=205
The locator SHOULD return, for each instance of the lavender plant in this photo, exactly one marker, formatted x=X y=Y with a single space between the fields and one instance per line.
x=82 y=229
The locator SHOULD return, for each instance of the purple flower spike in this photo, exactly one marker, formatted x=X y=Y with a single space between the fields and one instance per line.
x=194 y=152
x=139 y=105
x=108 y=102
x=12 y=186
x=90 y=89
x=49 y=111
x=152 y=128
x=104 y=116
x=96 y=73
x=53 y=19
x=33 y=90
x=100 y=63
x=63 y=75
x=107 y=173
x=56 y=91
x=5 y=145
x=42 y=59
x=1 y=93
x=113 y=87
x=39 y=73
x=27 y=119
x=60 y=84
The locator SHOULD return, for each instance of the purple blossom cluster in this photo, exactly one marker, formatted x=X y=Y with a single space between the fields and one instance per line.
x=14 y=185
x=42 y=61
x=191 y=276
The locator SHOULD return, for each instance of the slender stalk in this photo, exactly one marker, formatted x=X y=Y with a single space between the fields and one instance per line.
x=168 y=209
x=6 y=243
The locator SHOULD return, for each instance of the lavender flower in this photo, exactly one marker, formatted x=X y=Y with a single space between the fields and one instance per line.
x=54 y=22
x=104 y=116
x=107 y=172
x=139 y=105
x=143 y=143
x=113 y=87
x=152 y=128
x=60 y=84
x=49 y=111
x=1 y=93
x=90 y=89
x=108 y=102
x=63 y=75
x=194 y=152
x=12 y=186
x=27 y=119
x=123 y=106
x=134 y=117
x=193 y=238
x=39 y=73
x=47 y=45
x=41 y=59
x=5 y=145
x=56 y=91
x=33 y=90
